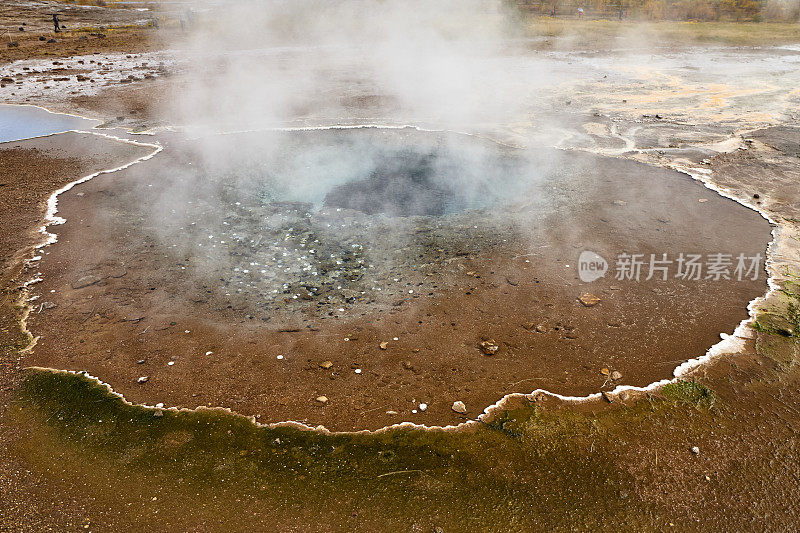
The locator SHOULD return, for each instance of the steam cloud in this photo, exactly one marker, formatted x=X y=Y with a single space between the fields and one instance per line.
x=250 y=210
x=259 y=64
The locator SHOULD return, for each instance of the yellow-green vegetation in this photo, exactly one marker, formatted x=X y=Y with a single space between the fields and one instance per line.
x=690 y=392
x=528 y=469
x=705 y=10
x=784 y=319
x=606 y=33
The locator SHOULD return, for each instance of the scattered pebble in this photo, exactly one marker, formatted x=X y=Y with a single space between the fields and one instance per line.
x=171 y=363
x=143 y=379
x=459 y=407
x=326 y=364
x=695 y=450
x=357 y=371
x=322 y=399
x=384 y=345
x=616 y=374
x=85 y=281
x=589 y=300
x=489 y=347
x=280 y=357
x=423 y=406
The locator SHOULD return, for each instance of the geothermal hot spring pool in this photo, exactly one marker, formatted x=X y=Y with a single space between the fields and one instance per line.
x=259 y=271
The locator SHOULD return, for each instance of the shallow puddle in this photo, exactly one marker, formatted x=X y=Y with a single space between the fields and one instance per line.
x=19 y=122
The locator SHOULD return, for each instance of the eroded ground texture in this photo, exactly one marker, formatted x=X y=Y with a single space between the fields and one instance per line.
x=622 y=144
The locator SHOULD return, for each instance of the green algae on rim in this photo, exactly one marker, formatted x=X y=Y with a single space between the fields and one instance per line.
x=527 y=468
x=785 y=319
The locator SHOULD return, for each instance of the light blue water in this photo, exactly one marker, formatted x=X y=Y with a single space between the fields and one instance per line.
x=23 y=122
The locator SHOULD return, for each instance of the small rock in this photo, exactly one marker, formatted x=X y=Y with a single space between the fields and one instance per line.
x=322 y=399
x=158 y=413
x=85 y=281
x=326 y=364
x=589 y=300
x=616 y=374
x=623 y=395
x=489 y=347
x=605 y=371
x=695 y=450
x=51 y=41
x=703 y=200
x=423 y=406
x=392 y=413
x=407 y=365
x=49 y=305
x=607 y=397
x=384 y=345
x=143 y=379
x=141 y=361
x=459 y=407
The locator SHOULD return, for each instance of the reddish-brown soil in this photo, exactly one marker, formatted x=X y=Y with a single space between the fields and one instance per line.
x=29 y=172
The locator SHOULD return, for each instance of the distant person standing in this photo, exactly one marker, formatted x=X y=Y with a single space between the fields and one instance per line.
x=56 y=23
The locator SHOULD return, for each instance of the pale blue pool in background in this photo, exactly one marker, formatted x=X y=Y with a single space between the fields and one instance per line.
x=19 y=122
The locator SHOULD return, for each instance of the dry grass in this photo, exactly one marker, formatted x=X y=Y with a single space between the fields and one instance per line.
x=606 y=33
